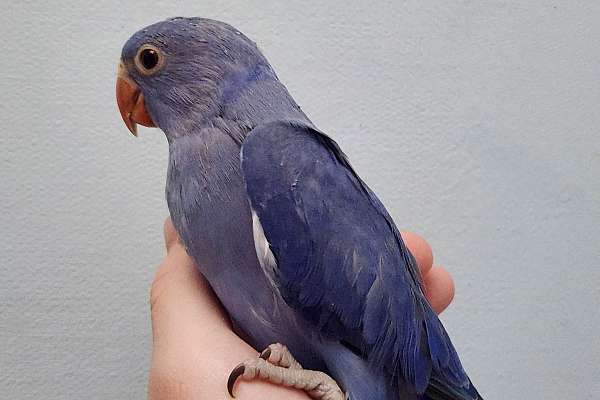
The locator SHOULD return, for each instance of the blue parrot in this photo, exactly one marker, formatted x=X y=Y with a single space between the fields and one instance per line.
x=295 y=245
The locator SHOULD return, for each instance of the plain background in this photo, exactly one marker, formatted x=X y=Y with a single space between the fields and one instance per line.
x=477 y=123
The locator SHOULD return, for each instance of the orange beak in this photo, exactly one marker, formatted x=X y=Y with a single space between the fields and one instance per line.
x=131 y=102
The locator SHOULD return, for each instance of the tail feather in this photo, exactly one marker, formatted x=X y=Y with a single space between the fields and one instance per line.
x=356 y=376
x=439 y=389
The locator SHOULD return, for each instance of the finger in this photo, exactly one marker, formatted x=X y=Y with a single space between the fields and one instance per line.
x=420 y=249
x=439 y=288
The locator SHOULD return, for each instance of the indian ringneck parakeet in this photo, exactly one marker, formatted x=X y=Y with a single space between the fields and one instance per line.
x=295 y=245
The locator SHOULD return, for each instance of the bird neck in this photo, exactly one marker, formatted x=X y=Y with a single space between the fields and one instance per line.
x=244 y=100
x=256 y=103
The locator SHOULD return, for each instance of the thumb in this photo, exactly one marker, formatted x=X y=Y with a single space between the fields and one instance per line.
x=180 y=298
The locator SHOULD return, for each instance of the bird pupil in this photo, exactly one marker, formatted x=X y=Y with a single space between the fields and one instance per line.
x=149 y=58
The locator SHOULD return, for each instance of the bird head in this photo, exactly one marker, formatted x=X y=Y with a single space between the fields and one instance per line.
x=177 y=73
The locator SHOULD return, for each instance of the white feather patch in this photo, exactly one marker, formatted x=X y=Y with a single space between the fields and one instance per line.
x=263 y=250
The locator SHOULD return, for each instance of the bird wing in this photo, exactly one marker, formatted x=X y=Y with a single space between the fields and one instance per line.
x=335 y=255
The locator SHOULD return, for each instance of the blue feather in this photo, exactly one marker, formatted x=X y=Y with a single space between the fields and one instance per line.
x=340 y=259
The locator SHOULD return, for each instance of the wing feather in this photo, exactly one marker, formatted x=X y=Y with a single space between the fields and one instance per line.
x=340 y=260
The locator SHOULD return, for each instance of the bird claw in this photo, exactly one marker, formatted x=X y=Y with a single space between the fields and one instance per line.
x=276 y=364
x=265 y=354
x=233 y=376
x=279 y=355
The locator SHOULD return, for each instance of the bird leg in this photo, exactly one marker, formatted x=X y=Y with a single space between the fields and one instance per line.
x=276 y=364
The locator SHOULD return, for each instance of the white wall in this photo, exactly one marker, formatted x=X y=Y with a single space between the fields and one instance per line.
x=476 y=122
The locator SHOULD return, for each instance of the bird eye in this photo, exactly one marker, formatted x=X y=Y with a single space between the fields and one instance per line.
x=148 y=59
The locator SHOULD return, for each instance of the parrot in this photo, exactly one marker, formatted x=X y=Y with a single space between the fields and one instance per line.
x=301 y=253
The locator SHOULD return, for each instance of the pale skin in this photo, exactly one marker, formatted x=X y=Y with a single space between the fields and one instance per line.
x=194 y=348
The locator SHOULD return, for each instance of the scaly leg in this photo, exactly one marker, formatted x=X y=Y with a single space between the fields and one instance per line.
x=278 y=354
x=277 y=365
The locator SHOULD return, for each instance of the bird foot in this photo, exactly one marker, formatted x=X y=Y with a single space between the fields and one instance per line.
x=276 y=364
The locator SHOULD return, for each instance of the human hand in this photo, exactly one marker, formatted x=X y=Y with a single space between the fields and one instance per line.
x=194 y=347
